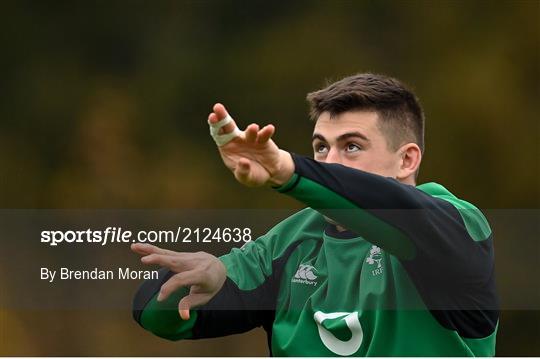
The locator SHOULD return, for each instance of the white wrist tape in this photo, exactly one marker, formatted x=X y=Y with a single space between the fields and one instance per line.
x=223 y=139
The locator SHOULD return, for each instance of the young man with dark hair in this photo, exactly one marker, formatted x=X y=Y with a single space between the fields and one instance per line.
x=375 y=266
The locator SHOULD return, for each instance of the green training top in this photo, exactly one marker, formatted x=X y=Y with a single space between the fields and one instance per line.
x=411 y=276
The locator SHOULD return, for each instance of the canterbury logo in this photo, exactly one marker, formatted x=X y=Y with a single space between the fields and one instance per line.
x=305 y=275
x=305 y=271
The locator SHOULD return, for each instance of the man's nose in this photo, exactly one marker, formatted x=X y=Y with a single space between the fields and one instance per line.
x=333 y=156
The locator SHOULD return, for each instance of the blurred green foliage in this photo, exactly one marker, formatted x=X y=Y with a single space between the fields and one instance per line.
x=103 y=104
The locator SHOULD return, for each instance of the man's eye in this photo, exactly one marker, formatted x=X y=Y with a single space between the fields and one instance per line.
x=321 y=149
x=351 y=147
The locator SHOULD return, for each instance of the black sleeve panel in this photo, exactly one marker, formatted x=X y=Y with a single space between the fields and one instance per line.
x=367 y=190
x=233 y=311
x=414 y=213
x=460 y=300
x=434 y=226
x=453 y=273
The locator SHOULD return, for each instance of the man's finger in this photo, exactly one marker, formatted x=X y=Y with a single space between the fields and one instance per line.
x=220 y=111
x=265 y=133
x=177 y=281
x=219 y=114
x=251 y=132
x=145 y=249
x=190 y=301
x=212 y=118
x=175 y=263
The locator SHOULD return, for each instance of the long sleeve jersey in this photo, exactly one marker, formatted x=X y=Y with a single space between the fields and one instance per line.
x=413 y=274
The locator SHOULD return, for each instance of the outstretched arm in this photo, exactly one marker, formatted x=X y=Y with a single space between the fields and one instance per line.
x=256 y=160
x=384 y=211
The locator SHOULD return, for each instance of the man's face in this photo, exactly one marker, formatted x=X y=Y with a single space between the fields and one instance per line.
x=353 y=139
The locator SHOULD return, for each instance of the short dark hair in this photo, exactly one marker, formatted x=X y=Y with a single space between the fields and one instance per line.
x=401 y=118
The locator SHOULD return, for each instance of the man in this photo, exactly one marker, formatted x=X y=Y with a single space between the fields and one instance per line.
x=375 y=266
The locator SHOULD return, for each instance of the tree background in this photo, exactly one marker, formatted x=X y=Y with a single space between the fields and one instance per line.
x=103 y=104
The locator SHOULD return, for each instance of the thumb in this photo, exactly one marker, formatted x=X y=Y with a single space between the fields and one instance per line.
x=190 y=301
x=242 y=171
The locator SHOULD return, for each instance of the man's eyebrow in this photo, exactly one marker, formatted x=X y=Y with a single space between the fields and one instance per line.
x=348 y=135
x=343 y=137
x=317 y=136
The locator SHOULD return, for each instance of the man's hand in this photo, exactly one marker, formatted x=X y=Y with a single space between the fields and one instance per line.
x=253 y=156
x=202 y=272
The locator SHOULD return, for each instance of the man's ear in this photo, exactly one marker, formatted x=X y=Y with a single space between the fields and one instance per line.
x=411 y=156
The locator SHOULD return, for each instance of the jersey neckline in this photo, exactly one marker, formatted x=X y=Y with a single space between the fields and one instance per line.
x=331 y=233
